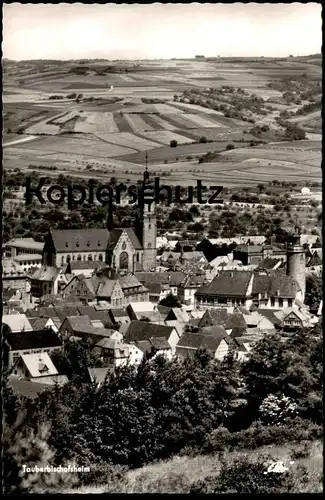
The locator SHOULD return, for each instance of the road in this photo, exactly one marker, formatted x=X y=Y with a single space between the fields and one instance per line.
x=18 y=141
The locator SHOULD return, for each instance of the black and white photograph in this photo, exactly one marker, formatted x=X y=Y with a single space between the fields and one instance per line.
x=162 y=290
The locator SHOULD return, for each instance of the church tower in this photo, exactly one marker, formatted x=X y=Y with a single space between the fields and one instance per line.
x=296 y=265
x=148 y=227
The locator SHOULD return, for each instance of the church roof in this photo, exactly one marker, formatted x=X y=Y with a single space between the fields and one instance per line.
x=116 y=233
x=80 y=240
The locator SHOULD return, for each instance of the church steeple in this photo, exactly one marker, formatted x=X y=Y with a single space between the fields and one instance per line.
x=148 y=225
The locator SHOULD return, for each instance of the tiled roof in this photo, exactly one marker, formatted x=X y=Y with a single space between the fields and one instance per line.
x=174 y=278
x=215 y=316
x=199 y=341
x=11 y=268
x=216 y=331
x=26 y=387
x=33 y=340
x=119 y=313
x=80 y=240
x=129 y=281
x=235 y=320
x=141 y=330
x=227 y=284
x=38 y=323
x=78 y=323
x=85 y=264
x=159 y=343
x=64 y=312
x=46 y=273
x=268 y=263
x=237 y=331
x=25 y=243
x=116 y=233
x=154 y=288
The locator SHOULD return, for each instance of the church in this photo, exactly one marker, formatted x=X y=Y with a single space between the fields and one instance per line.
x=128 y=249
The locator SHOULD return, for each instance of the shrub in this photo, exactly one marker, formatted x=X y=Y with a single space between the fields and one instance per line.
x=173 y=143
x=243 y=476
x=203 y=140
x=277 y=409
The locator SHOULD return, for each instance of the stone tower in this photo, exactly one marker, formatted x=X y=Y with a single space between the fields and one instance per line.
x=148 y=228
x=296 y=265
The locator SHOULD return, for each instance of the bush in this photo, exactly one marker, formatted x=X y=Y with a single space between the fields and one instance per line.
x=243 y=476
x=230 y=146
x=173 y=143
x=203 y=140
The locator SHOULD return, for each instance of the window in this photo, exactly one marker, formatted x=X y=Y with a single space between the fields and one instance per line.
x=280 y=302
x=124 y=260
x=68 y=258
x=272 y=301
x=289 y=302
x=73 y=257
x=62 y=260
x=100 y=257
x=79 y=257
x=149 y=227
x=90 y=257
x=84 y=257
x=149 y=245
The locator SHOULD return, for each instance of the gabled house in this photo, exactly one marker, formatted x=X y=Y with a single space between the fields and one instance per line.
x=187 y=288
x=190 y=342
x=119 y=316
x=114 y=352
x=81 y=327
x=32 y=342
x=144 y=311
x=38 y=367
x=80 y=287
x=45 y=280
x=141 y=330
x=155 y=346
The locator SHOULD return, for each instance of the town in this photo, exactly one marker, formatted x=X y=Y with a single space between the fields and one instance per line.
x=162 y=275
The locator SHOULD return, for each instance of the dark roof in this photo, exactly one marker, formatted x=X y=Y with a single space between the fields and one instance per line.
x=164 y=310
x=174 y=278
x=141 y=330
x=216 y=331
x=227 y=284
x=215 y=316
x=38 y=323
x=268 y=263
x=199 y=341
x=235 y=320
x=275 y=283
x=90 y=311
x=8 y=294
x=118 y=313
x=41 y=312
x=159 y=343
x=154 y=288
x=116 y=233
x=33 y=340
x=237 y=331
x=46 y=273
x=85 y=264
x=26 y=387
x=80 y=240
x=64 y=312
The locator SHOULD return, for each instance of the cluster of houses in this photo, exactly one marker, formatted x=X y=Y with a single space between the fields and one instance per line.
x=104 y=289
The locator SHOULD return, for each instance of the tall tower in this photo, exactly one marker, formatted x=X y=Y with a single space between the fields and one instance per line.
x=148 y=227
x=296 y=265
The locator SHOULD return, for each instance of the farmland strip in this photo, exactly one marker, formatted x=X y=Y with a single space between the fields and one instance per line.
x=122 y=123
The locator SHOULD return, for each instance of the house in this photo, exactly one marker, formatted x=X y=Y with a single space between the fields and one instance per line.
x=43 y=323
x=214 y=317
x=17 y=322
x=141 y=330
x=14 y=276
x=106 y=284
x=84 y=267
x=161 y=284
x=144 y=310
x=81 y=288
x=81 y=327
x=99 y=375
x=119 y=316
x=155 y=346
x=270 y=263
x=28 y=389
x=293 y=319
x=254 y=254
x=31 y=342
x=38 y=367
x=45 y=281
x=22 y=246
x=28 y=262
x=231 y=289
x=117 y=353
x=217 y=344
x=187 y=288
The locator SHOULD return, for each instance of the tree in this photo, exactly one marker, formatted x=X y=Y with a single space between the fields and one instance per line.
x=229 y=147
x=173 y=143
x=203 y=140
x=170 y=301
x=314 y=291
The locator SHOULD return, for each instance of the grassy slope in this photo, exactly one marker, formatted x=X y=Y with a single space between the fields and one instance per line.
x=174 y=476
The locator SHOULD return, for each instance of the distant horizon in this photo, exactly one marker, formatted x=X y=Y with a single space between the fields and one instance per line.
x=159 y=31
x=161 y=58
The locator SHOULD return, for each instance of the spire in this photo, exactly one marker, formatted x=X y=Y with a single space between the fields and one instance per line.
x=146 y=173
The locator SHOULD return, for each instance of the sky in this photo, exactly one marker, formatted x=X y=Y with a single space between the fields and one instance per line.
x=154 y=31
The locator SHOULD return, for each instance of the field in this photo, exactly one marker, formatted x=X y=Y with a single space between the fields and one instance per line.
x=124 y=110
x=177 y=474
